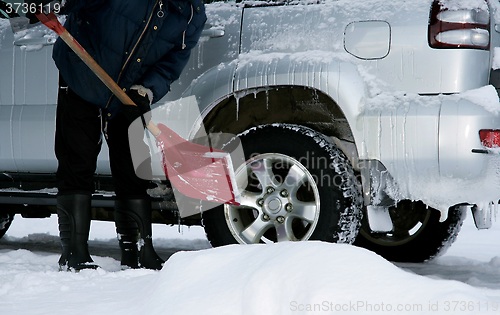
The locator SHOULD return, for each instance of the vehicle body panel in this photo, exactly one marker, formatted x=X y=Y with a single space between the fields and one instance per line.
x=370 y=58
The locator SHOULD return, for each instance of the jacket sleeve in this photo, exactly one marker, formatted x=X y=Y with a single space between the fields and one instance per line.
x=170 y=66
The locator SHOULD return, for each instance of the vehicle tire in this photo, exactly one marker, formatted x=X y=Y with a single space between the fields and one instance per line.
x=417 y=235
x=288 y=197
x=5 y=221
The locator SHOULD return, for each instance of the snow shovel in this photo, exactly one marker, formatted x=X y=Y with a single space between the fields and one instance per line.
x=196 y=171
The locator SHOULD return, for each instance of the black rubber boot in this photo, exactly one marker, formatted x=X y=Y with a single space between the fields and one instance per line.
x=139 y=210
x=73 y=212
x=128 y=235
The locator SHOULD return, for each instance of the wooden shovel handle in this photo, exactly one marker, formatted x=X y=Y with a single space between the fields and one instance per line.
x=50 y=20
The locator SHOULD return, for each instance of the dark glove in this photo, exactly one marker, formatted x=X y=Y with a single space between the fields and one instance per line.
x=33 y=5
x=141 y=97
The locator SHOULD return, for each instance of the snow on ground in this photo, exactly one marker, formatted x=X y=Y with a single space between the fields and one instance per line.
x=285 y=278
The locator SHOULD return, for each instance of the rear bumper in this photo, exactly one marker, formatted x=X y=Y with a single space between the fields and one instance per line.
x=430 y=150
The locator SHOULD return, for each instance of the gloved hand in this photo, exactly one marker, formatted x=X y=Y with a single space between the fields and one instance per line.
x=34 y=5
x=142 y=97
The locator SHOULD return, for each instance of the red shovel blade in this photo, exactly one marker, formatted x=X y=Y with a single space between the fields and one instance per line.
x=197 y=171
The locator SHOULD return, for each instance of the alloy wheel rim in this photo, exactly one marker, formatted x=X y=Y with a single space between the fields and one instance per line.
x=279 y=203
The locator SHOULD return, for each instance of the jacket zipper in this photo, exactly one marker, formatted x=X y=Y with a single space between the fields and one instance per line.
x=135 y=46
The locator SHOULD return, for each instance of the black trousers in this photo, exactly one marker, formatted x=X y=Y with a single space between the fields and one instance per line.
x=78 y=141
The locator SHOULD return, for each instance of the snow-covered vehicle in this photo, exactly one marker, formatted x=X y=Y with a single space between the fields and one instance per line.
x=366 y=121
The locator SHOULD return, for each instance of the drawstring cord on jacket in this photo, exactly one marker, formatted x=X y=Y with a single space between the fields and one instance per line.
x=184 y=33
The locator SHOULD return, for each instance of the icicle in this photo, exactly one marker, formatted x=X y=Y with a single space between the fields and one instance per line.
x=495 y=211
x=237 y=96
x=179 y=230
x=200 y=55
x=267 y=98
x=237 y=107
x=201 y=213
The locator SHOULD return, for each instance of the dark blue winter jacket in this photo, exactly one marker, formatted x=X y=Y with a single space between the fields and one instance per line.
x=144 y=42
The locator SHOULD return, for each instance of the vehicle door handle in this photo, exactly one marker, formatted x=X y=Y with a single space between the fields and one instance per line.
x=213 y=32
x=44 y=41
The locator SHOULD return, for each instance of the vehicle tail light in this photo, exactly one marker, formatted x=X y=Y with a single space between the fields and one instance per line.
x=459 y=28
x=490 y=138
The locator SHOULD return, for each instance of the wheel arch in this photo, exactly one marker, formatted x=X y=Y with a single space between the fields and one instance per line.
x=281 y=104
x=252 y=90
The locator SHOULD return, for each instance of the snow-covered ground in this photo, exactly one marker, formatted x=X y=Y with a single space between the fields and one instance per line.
x=285 y=278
